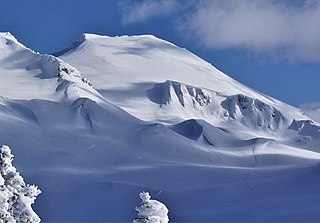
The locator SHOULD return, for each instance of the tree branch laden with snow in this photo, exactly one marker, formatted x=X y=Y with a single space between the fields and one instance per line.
x=151 y=211
x=16 y=197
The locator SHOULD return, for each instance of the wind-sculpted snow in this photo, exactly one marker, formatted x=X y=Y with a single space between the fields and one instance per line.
x=169 y=91
x=36 y=76
x=205 y=133
x=193 y=102
x=253 y=112
x=308 y=134
x=161 y=120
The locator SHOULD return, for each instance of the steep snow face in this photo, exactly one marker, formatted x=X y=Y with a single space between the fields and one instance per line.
x=169 y=83
x=189 y=102
x=254 y=113
x=36 y=76
x=172 y=102
x=9 y=45
x=308 y=134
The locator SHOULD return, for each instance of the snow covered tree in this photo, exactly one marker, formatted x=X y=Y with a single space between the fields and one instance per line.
x=16 y=197
x=151 y=211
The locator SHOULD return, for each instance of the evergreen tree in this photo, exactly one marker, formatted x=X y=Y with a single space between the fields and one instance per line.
x=151 y=211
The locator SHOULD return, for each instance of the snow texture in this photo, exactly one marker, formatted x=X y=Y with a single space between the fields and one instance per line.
x=114 y=116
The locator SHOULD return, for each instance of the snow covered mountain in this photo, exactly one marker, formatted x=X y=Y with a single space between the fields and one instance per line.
x=132 y=71
x=157 y=81
x=113 y=116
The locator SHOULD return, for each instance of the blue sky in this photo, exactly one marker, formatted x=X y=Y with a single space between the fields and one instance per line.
x=272 y=46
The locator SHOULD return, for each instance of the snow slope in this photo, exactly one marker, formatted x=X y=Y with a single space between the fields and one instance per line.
x=157 y=81
x=152 y=117
x=130 y=71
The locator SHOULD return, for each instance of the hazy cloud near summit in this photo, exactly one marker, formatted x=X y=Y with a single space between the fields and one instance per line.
x=139 y=11
x=284 y=28
x=312 y=110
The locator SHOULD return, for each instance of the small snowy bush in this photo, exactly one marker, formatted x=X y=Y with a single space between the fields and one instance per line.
x=16 y=197
x=151 y=211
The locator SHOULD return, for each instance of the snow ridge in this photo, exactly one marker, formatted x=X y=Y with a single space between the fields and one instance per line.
x=39 y=76
x=169 y=91
x=253 y=112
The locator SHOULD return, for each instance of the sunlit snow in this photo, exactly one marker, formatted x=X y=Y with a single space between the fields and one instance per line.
x=114 y=116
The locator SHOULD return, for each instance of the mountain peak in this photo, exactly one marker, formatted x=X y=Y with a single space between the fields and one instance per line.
x=9 y=44
x=141 y=63
x=7 y=36
x=89 y=36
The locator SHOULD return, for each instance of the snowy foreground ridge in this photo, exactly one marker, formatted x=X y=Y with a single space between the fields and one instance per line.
x=109 y=117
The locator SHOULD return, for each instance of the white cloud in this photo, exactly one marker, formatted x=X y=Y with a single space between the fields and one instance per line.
x=312 y=110
x=290 y=29
x=285 y=28
x=139 y=11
